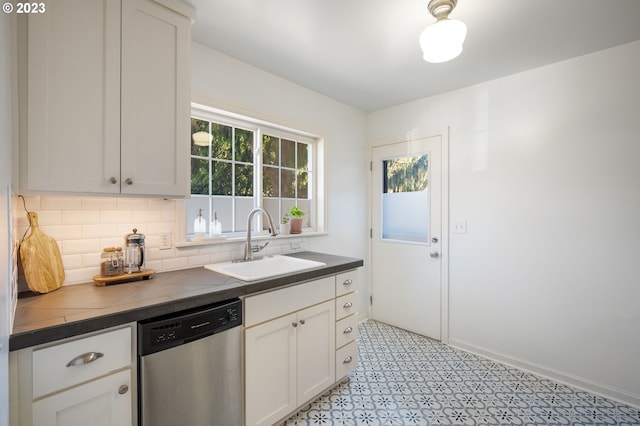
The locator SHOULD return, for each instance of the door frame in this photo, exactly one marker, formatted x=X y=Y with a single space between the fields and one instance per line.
x=444 y=247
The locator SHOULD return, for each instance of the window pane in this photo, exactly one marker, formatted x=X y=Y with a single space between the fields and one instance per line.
x=270 y=182
x=303 y=185
x=221 y=145
x=244 y=145
x=405 y=199
x=220 y=178
x=270 y=150
x=199 y=176
x=199 y=126
x=288 y=153
x=288 y=184
x=303 y=156
x=407 y=174
x=244 y=180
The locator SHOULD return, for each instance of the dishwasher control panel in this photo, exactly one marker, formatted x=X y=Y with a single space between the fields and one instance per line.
x=156 y=334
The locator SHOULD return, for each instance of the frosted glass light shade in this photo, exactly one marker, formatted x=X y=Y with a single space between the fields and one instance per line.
x=202 y=138
x=443 y=40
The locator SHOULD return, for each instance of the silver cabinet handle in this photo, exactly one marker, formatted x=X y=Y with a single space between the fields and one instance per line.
x=123 y=389
x=85 y=359
x=347 y=282
x=347 y=305
x=347 y=330
x=434 y=254
x=302 y=322
x=128 y=181
x=347 y=360
x=113 y=180
x=295 y=324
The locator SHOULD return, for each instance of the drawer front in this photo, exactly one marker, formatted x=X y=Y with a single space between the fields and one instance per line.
x=70 y=363
x=346 y=282
x=346 y=305
x=346 y=360
x=346 y=330
x=266 y=306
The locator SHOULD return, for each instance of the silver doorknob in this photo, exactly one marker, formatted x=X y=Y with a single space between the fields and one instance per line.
x=129 y=181
x=113 y=180
x=434 y=254
x=123 y=389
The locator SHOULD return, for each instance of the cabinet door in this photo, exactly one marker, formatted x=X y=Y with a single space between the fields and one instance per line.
x=316 y=350
x=155 y=100
x=73 y=98
x=270 y=370
x=102 y=402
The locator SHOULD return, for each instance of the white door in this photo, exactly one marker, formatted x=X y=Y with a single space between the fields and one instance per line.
x=406 y=235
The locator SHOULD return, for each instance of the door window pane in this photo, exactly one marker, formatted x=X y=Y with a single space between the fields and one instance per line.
x=221 y=144
x=220 y=178
x=405 y=199
x=199 y=176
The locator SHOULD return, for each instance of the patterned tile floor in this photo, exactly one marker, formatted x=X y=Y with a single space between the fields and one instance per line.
x=407 y=379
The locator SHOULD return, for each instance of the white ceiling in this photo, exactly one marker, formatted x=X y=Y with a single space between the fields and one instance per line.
x=365 y=53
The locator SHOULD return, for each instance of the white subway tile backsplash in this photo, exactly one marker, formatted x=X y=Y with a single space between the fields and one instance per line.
x=80 y=217
x=83 y=226
x=99 y=203
x=116 y=216
x=99 y=231
x=60 y=203
x=133 y=203
x=90 y=245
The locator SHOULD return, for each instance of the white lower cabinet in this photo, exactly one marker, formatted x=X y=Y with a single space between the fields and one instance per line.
x=102 y=402
x=83 y=380
x=288 y=361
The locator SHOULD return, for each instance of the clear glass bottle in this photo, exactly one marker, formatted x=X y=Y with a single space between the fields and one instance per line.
x=111 y=261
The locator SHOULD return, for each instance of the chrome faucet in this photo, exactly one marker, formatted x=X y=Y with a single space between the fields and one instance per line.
x=249 y=249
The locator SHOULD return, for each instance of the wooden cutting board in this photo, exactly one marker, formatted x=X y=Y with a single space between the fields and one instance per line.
x=41 y=259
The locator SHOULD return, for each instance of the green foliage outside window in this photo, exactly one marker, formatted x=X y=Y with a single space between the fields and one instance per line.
x=406 y=174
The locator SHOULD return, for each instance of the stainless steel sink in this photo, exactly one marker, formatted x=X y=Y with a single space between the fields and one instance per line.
x=267 y=267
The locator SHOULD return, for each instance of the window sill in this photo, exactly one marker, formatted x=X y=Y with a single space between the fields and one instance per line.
x=239 y=238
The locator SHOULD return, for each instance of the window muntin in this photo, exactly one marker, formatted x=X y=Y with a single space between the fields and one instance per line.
x=249 y=164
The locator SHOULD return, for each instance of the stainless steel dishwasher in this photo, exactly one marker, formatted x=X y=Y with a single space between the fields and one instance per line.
x=190 y=367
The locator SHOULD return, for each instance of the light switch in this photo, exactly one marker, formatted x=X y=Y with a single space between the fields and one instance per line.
x=459 y=226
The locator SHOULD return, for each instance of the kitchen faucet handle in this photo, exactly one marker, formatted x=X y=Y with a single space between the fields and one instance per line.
x=256 y=247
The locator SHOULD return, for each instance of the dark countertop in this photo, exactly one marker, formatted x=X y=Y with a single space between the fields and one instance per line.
x=82 y=308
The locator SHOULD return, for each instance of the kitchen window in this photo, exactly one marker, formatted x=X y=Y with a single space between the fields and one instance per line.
x=238 y=163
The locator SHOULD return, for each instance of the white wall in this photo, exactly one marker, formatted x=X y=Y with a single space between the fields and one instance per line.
x=222 y=82
x=6 y=271
x=544 y=169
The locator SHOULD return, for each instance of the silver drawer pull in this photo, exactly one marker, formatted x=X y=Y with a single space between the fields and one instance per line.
x=295 y=324
x=302 y=322
x=347 y=330
x=123 y=389
x=347 y=305
x=347 y=282
x=85 y=359
x=347 y=360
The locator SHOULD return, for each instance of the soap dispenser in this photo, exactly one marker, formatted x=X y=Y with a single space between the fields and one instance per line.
x=199 y=225
x=215 y=228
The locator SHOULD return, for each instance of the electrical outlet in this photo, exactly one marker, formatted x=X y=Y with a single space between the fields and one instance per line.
x=165 y=240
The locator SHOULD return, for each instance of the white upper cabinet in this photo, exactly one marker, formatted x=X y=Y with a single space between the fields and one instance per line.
x=108 y=98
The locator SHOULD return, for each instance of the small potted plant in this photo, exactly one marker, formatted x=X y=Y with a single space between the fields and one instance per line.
x=295 y=222
x=284 y=224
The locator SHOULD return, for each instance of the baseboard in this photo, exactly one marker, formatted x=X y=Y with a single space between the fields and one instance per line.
x=557 y=376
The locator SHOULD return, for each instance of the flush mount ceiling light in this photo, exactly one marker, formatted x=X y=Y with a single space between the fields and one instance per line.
x=442 y=41
x=202 y=138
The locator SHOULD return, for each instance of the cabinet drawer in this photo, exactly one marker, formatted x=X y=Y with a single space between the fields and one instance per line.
x=346 y=282
x=346 y=305
x=70 y=363
x=266 y=306
x=346 y=330
x=346 y=360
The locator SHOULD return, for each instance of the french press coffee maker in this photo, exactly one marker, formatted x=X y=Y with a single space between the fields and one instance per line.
x=134 y=252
